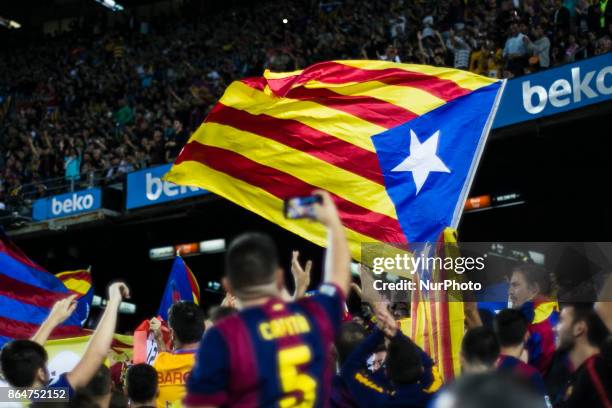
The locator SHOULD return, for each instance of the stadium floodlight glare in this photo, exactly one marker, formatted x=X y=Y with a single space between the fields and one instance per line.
x=212 y=246
x=166 y=252
x=124 y=307
x=10 y=24
x=110 y=4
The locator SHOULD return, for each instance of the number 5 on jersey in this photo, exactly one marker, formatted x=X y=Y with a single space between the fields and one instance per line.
x=292 y=381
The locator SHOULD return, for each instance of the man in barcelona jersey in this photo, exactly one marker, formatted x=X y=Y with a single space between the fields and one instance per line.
x=273 y=353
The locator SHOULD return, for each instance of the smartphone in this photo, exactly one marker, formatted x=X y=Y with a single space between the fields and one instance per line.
x=300 y=207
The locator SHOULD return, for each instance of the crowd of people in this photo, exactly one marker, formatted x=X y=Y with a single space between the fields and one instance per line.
x=264 y=347
x=96 y=102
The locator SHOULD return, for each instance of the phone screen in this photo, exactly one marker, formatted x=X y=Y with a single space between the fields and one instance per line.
x=300 y=207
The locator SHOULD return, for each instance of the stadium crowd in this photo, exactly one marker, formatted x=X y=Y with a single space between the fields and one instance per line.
x=265 y=347
x=97 y=102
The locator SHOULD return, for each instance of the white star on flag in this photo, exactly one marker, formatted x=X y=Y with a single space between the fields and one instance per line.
x=422 y=159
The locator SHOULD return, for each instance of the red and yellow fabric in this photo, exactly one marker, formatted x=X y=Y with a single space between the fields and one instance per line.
x=437 y=317
x=285 y=134
x=65 y=353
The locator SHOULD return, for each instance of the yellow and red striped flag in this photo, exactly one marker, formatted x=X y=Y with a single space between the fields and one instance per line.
x=395 y=144
x=437 y=317
x=286 y=134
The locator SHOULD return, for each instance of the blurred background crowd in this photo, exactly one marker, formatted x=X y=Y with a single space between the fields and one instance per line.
x=89 y=105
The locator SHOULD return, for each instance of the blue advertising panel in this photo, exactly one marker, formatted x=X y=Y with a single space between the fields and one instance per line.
x=145 y=187
x=68 y=204
x=556 y=90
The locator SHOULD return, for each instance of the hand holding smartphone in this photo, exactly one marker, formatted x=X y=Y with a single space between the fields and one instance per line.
x=301 y=207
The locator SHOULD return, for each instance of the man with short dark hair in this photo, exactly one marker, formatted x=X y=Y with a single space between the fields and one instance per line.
x=186 y=322
x=581 y=332
x=100 y=387
x=141 y=386
x=479 y=350
x=24 y=362
x=511 y=330
x=273 y=352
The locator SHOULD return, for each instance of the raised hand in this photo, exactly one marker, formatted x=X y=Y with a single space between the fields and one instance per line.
x=326 y=212
x=301 y=276
x=63 y=309
x=118 y=291
x=384 y=319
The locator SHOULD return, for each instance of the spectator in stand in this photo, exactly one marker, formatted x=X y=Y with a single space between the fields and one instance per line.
x=72 y=165
x=540 y=48
x=390 y=55
x=572 y=49
x=561 y=17
x=487 y=60
x=515 y=51
x=458 y=45
x=96 y=90
x=141 y=386
x=177 y=141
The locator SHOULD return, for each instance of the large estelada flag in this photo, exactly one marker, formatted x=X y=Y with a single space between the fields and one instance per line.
x=27 y=294
x=397 y=146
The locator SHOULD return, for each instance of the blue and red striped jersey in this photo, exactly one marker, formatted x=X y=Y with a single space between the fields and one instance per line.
x=530 y=374
x=276 y=354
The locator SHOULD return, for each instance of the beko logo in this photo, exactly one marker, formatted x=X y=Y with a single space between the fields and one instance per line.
x=562 y=92
x=155 y=188
x=72 y=204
